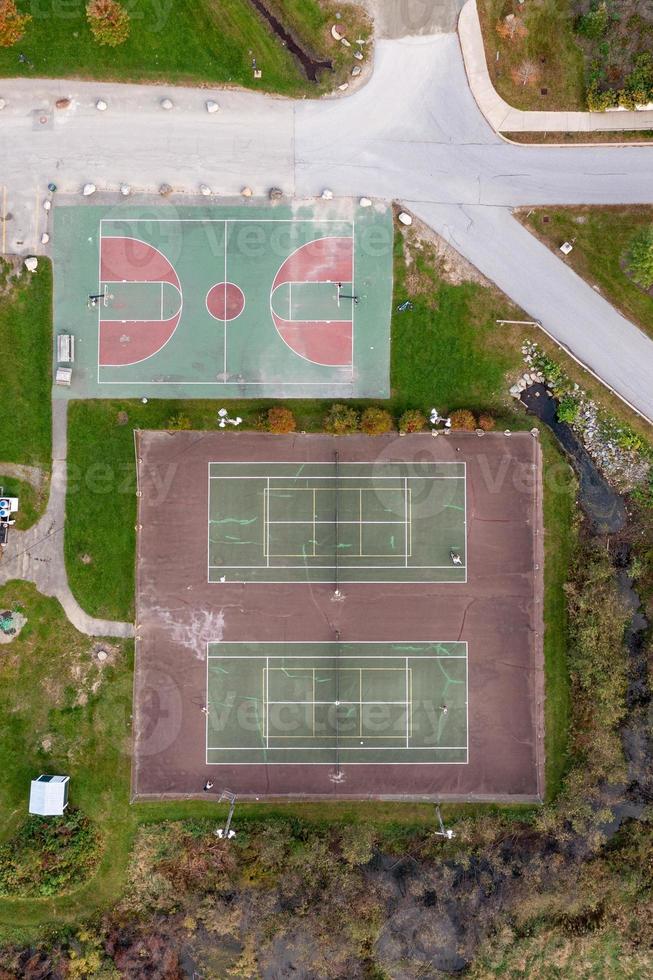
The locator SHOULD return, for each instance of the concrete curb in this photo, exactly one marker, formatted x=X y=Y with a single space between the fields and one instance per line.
x=503 y=117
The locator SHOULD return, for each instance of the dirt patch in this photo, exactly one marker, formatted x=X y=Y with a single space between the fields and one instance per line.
x=14 y=624
x=450 y=264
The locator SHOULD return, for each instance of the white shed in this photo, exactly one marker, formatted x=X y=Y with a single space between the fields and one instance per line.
x=48 y=795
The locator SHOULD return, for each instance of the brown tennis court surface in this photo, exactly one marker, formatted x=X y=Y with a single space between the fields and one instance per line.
x=271 y=666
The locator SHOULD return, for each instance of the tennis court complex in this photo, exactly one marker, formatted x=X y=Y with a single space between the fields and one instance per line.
x=336 y=703
x=340 y=522
x=231 y=301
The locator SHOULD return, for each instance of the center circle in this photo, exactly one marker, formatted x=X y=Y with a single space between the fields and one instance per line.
x=225 y=301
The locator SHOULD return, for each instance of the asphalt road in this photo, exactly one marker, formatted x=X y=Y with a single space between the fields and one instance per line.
x=412 y=133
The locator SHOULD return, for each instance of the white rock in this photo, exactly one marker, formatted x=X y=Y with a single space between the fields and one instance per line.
x=45 y=238
x=345 y=42
x=515 y=391
x=212 y=106
x=101 y=105
x=125 y=190
x=247 y=192
x=205 y=190
x=3 y=104
x=365 y=202
x=89 y=189
x=358 y=55
x=31 y=263
x=356 y=70
x=405 y=218
x=47 y=205
x=327 y=195
x=344 y=86
x=167 y=104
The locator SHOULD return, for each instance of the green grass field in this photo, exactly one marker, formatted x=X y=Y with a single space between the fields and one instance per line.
x=25 y=373
x=602 y=237
x=182 y=43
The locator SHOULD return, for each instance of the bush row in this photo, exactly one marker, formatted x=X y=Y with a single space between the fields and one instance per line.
x=342 y=419
x=108 y=21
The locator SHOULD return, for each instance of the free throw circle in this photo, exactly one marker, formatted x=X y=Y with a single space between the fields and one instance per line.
x=225 y=301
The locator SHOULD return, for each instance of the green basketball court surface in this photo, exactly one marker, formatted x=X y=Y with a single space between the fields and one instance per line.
x=240 y=301
x=331 y=703
x=328 y=522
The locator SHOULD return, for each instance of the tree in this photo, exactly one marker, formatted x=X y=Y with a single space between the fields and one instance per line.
x=412 y=421
x=108 y=21
x=342 y=420
x=486 y=422
x=463 y=419
x=527 y=73
x=280 y=420
x=376 y=421
x=640 y=258
x=12 y=23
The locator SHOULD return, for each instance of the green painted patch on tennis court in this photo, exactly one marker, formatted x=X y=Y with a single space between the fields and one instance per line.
x=337 y=703
x=337 y=522
x=257 y=300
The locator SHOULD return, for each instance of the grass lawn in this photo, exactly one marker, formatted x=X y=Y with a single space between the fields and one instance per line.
x=182 y=43
x=602 y=236
x=32 y=502
x=548 y=48
x=623 y=136
x=25 y=372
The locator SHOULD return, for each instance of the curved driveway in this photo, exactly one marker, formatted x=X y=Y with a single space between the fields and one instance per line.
x=412 y=133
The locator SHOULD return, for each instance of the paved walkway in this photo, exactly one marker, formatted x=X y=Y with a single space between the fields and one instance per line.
x=503 y=118
x=37 y=555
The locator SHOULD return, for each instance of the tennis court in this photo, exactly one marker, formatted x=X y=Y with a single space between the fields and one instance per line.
x=231 y=301
x=333 y=521
x=336 y=703
x=303 y=632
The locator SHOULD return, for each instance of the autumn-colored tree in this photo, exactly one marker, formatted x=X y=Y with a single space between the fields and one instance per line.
x=511 y=27
x=280 y=420
x=12 y=23
x=376 y=421
x=486 y=422
x=342 y=420
x=463 y=419
x=412 y=421
x=108 y=21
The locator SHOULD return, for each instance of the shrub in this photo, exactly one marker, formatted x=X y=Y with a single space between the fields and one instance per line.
x=376 y=421
x=12 y=23
x=568 y=410
x=594 y=23
x=280 y=420
x=412 y=421
x=108 y=21
x=49 y=856
x=357 y=843
x=463 y=419
x=179 y=422
x=342 y=420
x=486 y=422
x=598 y=101
x=640 y=258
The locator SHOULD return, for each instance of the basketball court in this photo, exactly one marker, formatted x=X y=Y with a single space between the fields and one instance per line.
x=231 y=301
x=303 y=629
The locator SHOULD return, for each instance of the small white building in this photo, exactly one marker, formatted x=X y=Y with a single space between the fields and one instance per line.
x=48 y=795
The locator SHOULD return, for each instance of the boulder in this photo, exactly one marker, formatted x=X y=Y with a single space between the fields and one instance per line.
x=327 y=195
x=205 y=190
x=88 y=189
x=165 y=190
x=365 y=202
x=45 y=238
x=3 y=103
x=275 y=193
x=356 y=70
x=247 y=192
x=101 y=105
x=405 y=218
x=212 y=106
x=31 y=263
x=125 y=190
x=62 y=104
x=167 y=104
